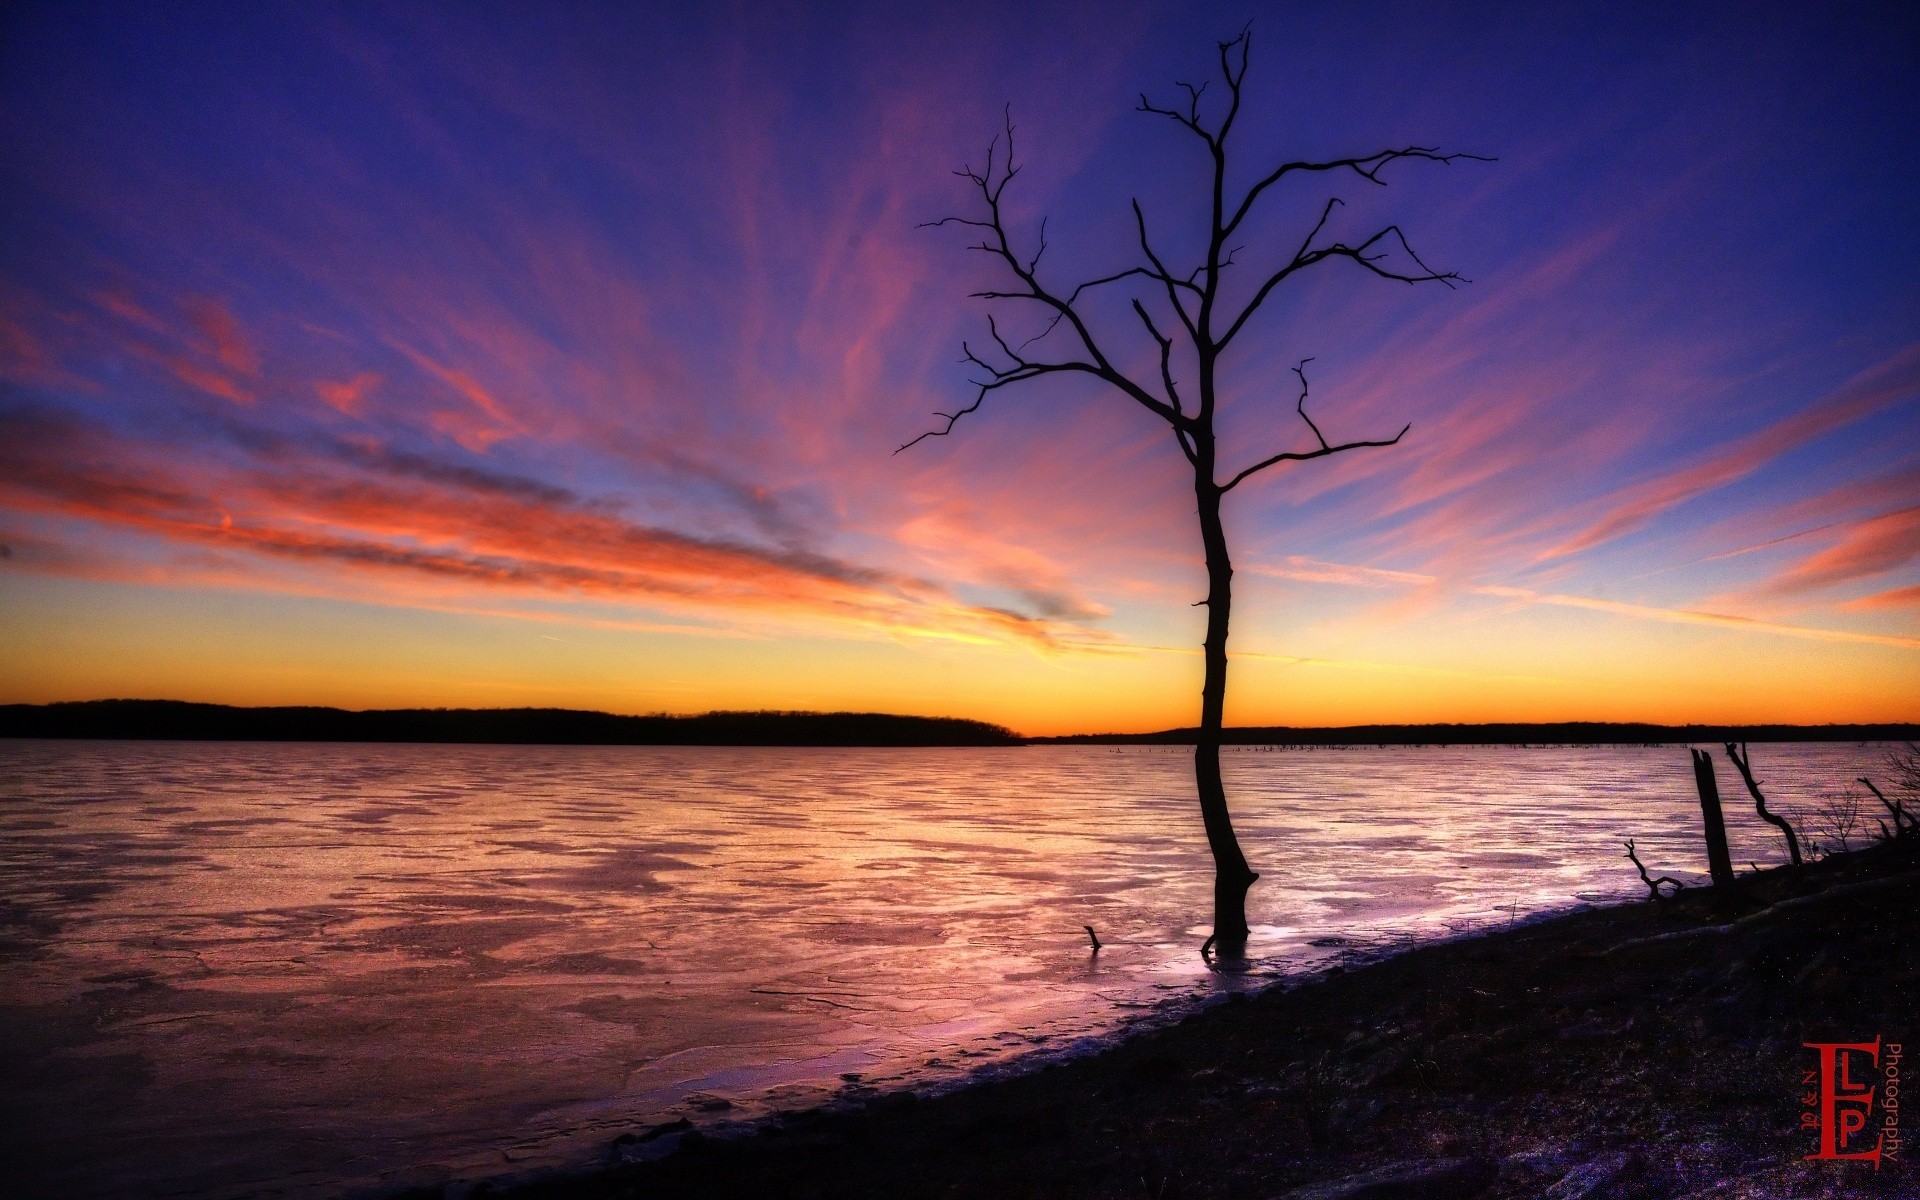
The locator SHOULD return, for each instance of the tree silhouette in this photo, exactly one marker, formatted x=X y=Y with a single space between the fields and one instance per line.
x=1195 y=326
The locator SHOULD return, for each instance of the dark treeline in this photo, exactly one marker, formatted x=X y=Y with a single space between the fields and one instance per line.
x=176 y=720
x=1568 y=733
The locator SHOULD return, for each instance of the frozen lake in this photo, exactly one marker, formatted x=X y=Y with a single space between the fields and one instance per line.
x=238 y=969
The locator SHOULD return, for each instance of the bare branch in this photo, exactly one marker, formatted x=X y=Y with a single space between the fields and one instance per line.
x=951 y=419
x=1363 y=254
x=1149 y=272
x=1325 y=449
x=1902 y=819
x=992 y=184
x=1166 y=355
x=1653 y=885
x=1181 y=432
x=1301 y=406
x=1190 y=119
x=1368 y=168
x=954 y=221
x=1193 y=99
x=1244 y=40
x=1742 y=760
x=1001 y=378
x=1164 y=275
x=1053 y=323
x=1264 y=463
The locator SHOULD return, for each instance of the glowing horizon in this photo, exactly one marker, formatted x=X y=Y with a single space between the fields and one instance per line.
x=421 y=360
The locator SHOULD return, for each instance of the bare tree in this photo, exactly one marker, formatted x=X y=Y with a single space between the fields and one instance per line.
x=1905 y=766
x=1838 y=821
x=1187 y=322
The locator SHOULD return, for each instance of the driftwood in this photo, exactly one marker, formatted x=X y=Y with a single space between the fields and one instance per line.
x=1743 y=760
x=1767 y=913
x=1653 y=885
x=1902 y=819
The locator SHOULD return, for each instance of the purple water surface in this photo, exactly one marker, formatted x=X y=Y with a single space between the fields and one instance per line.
x=238 y=969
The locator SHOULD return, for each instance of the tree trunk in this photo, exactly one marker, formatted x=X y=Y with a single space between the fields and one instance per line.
x=1719 y=862
x=1231 y=877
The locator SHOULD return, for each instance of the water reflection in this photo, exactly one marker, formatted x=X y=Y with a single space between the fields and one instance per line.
x=233 y=968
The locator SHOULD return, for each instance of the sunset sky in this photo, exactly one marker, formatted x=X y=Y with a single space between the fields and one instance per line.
x=383 y=355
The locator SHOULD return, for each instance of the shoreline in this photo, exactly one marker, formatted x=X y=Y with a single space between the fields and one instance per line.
x=1650 y=1050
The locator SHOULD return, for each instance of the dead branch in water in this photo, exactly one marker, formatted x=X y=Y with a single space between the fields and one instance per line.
x=1653 y=885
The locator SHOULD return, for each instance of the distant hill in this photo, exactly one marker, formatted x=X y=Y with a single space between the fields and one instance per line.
x=176 y=720
x=1568 y=733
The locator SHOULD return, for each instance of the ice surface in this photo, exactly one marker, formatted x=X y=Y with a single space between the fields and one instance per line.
x=231 y=969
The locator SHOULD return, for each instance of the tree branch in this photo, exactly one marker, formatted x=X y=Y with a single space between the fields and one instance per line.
x=1325 y=449
x=1244 y=40
x=1172 y=282
x=1902 y=819
x=1000 y=378
x=1368 y=168
x=1301 y=405
x=1150 y=272
x=1362 y=254
x=1189 y=119
x=1742 y=760
x=991 y=185
x=1181 y=432
x=1653 y=885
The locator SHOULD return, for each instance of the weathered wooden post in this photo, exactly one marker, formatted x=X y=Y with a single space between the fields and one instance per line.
x=1719 y=861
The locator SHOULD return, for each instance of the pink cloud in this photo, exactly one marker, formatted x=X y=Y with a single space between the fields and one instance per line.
x=348 y=396
x=1867 y=548
x=1894 y=598
x=230 y=345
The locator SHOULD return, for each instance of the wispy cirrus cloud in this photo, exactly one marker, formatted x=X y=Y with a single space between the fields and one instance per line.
x=403 y=518
x=1866 y=549
x=1888 y=382
x=1311 y=571
x=1900 y=598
